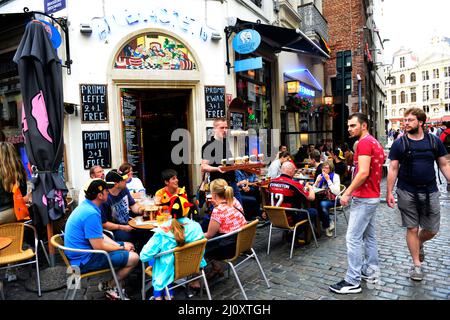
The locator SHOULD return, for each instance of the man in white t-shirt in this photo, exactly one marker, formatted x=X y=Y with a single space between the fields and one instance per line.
x=94 y=172
x=133 y=184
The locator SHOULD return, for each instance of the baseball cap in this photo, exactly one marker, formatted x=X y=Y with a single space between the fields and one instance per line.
x=95 y=186
x=114 y=176
x=339 y=153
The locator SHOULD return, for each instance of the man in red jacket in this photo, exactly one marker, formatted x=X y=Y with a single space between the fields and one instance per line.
x=445 y=138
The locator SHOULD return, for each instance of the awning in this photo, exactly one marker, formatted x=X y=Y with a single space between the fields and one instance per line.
x=445 y=118
x=284 y=39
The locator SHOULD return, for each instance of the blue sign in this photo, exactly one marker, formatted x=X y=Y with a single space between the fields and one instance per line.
x=306 y=91
x=246 y=41
x=247 y=64
x=54 y=5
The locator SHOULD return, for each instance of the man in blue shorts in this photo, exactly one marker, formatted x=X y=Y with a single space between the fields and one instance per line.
x=84 y=230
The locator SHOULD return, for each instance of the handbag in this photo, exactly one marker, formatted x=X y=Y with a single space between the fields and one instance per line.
x=20 y=207
x=330 y=195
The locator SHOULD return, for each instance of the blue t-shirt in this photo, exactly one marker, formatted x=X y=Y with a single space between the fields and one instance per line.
x=422 y=164
x=83 y=224
x=117 y=208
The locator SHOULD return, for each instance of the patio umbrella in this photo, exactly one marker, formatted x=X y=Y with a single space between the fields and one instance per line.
x=42 y=122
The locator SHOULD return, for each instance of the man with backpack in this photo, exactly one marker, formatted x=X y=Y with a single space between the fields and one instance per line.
x=445 y=138
x=412 y=162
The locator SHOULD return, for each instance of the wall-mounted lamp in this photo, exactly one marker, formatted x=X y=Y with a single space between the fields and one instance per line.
x=71 y=108
x=216 y=36
x=304 y=139
x=85 y=28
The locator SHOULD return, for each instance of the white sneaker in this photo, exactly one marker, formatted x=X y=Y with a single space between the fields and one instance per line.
x=328 y=232
x=331 y=225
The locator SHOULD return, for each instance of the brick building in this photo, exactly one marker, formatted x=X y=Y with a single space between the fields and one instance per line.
x=352 y=70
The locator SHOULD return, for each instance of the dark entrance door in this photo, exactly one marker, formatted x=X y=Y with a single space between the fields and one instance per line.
x=161 y=112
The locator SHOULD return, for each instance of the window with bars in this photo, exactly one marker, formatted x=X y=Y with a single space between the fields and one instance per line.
x=413 y=77
x=402 y=62
x=435 y=73
x=425 y=94
x=447 y=107
x=435 y=90
x=425 y=75
x=426 y=108
x=393 y=97
x=447 y=90
x=446 y=71
x=402 y=78
x=413 y=94
x=403 y=97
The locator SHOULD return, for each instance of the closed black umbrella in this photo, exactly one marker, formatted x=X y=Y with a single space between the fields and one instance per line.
x=42 y=121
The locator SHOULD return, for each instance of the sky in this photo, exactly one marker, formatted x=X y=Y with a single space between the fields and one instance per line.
x=411 y=23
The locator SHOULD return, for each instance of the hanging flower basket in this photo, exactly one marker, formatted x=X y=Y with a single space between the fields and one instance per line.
x=300 y=103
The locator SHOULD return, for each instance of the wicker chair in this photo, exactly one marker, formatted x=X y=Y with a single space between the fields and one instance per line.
x=187 y=263
x=58 y=242
x=13 y=255
x=244 y=245
x=278 y=220
x=339 y=208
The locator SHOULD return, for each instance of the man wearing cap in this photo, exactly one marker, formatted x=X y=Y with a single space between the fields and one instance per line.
x=116 y=209
x=84 y=231
x=340 y=167
x=94 y=172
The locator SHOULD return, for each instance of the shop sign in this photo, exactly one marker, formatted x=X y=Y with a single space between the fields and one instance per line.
x=149 y=16
x=306 y=91
x=96 y=149
x=247 y=64
x=215 y=102
x=246 y=41
x=236 y=120
x=94 y=106
x=293 y=86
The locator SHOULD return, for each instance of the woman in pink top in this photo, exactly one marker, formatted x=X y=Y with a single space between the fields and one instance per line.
x=227 y=216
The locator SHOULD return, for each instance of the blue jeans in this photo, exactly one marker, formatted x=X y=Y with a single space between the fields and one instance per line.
x=361 y=233
x=119 y=259
x=326 y=205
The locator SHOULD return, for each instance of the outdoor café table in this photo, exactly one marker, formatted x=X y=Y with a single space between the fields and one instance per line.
x=4 y=242
x=138 y=223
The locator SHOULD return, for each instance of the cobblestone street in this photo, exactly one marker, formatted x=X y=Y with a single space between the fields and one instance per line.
x=311 y=270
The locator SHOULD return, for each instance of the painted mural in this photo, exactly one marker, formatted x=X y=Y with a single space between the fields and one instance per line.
x=156 y=52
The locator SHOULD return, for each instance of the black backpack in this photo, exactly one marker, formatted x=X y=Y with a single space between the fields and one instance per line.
x=407 y=157
x=447 y=140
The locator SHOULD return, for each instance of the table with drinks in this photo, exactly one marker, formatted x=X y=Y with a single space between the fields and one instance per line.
x=154 y=214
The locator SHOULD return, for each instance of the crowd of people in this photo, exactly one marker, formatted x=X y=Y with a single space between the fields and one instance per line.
x=108 y=202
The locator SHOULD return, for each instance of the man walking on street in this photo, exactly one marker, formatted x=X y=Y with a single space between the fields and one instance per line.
x=445 y=138
x=365 y=189
x=412 y=162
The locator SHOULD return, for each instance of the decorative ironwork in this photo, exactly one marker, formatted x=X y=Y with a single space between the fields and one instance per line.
x=312 y=21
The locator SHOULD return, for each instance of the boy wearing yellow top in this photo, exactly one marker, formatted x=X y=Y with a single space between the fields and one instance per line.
x=171 y=189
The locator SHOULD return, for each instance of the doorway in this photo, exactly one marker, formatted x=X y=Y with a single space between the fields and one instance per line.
x=158 y=113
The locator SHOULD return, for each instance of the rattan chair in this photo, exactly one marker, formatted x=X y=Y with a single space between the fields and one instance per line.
x=339 y=208
x=75 y=278
x=13 y=255
x=187 y=261
x=278 y=220
x=244 y=245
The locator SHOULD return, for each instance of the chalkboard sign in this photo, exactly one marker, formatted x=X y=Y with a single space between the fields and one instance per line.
x=236 y=121
x=96 y=149
x=94 y=106
x=132 y=137
x=215 y=102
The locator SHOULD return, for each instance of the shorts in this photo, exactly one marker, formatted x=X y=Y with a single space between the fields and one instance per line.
x=411 y=218
x=119 y=259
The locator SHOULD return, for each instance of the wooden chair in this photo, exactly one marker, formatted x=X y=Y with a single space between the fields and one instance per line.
x=244 y=245
x=278 y=220
x=13 y=255
x=339 y=208
x=58 y=242
x=186 y=263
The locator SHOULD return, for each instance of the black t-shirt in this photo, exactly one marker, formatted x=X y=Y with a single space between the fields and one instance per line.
x=341 y=169
x=214 y=151
x=422 y=164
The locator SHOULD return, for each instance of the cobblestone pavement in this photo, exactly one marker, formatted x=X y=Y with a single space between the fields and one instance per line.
x=311 y=270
